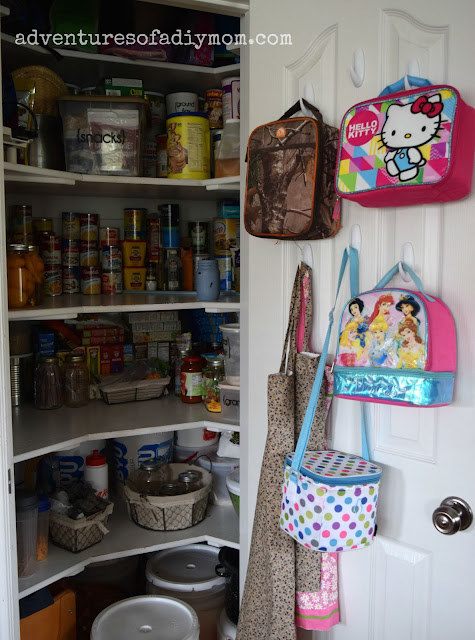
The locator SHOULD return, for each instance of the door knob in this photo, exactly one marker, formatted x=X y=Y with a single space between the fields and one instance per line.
x=453 y=515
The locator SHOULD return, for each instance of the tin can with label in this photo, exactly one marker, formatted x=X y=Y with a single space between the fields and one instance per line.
x=214 y=108
x=188 y=146
x=89 y=258
x=89 y=227
x=135 y=224
x=70 y=252
x=91 y=280
x=50 y=249
x=111 y=282
x=110 y=236
x=71 y=279
x=225 y=235
x=225 y=272
x=53 y=280
x=231 y=102
x=111 y=258
x=198 y=232
x=162 y=156
x=70 y=226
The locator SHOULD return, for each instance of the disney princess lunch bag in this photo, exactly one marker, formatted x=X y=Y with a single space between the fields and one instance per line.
x=407 y=147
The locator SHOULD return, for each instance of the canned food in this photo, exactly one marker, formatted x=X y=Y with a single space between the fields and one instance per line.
x=70 y=252
x=89 y=258
x=111 y=258
x=53 y=280
x=188 y=146
x=162 y=156
x=134 y=278
x=50 y=249
x=153 y=238
x=231 y=98
x=21 y=224
x=91 y=280
x=71 y=279
x=214 y=108
x=89 y=227
x=88 y=245
x=225 y=272
x=135 y=224
x=134 y=253
x=110 y=236
x=70 y=226
x=225 y=235
x=112 y=282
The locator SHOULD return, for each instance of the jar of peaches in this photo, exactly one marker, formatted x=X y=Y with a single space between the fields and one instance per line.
x=25 y=276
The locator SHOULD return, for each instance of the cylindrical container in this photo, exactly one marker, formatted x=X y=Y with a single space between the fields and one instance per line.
x=162 y=156
x=76 y=380
x=233 y=486
x=231 y=348
x=25 y=273
x=225 y=267
x=160 y=616
x=91 y=280
x=134 y=278
x=44 y=507
x=219 y=468
x=187 y=269
x=188 y=145
x=111 y=258
x=225 y=235
x=231 y=107
x=226 y=629
x=112 y=282
x=173 y=270
x=134 y=253
x=130 y=452
x=48 y=391
x=196 y=437
x=198 y=232
x=212 y=376
x=89 y=227
x=229 y=569
x=71 y=279
x=151 y=277
x=89 y=258
x=70 y=226
x=158 y=111
x=191 y=379
x=169 y=226
x=21 y=378
x=207 y=280
x=196 y=260
x=71 y=462
x=189 y=573
x=182 y=102
x=70 y=252
x=135 y=224
x=214 y=108
x=191 y=454
x=53 y=280
x=50 y=248
x=26 y=504
x=40 y=226
x=21 y=224
x=153 y=237
x=96 y=472
x=110 y=236
x=149 y=155
x=236 y=269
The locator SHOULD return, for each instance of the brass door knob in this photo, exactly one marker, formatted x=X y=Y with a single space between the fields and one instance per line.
x=453 y=515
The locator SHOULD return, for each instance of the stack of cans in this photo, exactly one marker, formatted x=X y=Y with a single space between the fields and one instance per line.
x=70 y=245
x=111 y=259
x=50 y=251
x=89 y=254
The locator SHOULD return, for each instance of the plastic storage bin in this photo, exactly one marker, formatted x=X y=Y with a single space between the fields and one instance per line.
x=188 y=573
x=146 y=616
x=229 y=401
x=26 y=504
x=232 y=483
x=103 y=134
x=231 y=345
x=220 y=468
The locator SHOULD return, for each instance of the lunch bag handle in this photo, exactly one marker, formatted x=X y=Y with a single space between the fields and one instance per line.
x=392 y=272
x=400 y=85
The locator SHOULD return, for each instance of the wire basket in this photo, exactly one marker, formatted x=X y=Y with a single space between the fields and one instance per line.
x=118 y=392
x=77 y=535
x=169 y=513
x=48 y=88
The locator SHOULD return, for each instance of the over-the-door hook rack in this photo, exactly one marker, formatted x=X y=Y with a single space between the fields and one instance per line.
x=407 y=256
x=309 y=96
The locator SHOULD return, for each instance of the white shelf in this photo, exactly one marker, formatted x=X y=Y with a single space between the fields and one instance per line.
x=26 y=179
x=220 y=527
x=225 y=7
x=37 y=432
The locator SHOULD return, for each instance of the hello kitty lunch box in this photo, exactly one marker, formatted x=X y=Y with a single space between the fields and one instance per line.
x=407 y=147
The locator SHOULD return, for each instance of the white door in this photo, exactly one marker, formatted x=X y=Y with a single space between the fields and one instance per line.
x=413 y=583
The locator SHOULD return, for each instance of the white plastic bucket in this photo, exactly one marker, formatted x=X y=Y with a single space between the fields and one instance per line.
x=189 y=573
x=220 y=468
x=190 y=454
x=196 y=437
x=136 y=618
x=233 y=486
x=71 y=461
x=226 y=629
x=231 y=345
x=130 y=452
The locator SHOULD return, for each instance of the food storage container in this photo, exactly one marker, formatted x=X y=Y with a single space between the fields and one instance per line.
x=26 y=504
x=231 y=346
x=229 y=401
x=25 y=273
x=44 y=507
x=233 y=486
x=220 y=468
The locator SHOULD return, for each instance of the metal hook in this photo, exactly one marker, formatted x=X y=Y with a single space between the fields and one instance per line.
x=407 y=256
x=309 y=96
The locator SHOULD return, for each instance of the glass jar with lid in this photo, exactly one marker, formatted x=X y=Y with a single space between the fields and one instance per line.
x=25 y=276
x=151 y=475
x=191 y=379
x=47 y=384
x=76 y=380
x=213 y=374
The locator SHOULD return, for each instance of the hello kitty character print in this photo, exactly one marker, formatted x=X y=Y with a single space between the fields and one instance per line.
x=408 y=127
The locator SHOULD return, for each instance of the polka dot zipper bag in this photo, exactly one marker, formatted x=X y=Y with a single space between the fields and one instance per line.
x=330 y=503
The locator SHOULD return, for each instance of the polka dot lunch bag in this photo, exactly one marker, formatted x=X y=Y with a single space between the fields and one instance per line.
x=329 y=498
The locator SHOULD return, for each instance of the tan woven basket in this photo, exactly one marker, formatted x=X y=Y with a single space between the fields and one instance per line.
x=169 y=513
x=48 y=88
x=77 y=535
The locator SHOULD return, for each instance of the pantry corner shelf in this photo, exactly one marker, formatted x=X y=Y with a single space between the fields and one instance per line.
x=37 y=432
x=220 y=527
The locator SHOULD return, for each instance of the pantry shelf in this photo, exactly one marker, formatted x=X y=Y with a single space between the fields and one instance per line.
x=37 y=433
x=220 y=527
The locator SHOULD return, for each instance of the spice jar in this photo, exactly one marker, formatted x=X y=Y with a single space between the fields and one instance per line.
x=76 y=380
x=25 y=275
x=212 y=376
x=191 y=379
x=47 y=384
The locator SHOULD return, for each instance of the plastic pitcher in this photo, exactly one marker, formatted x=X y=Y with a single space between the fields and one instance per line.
x=231 y=348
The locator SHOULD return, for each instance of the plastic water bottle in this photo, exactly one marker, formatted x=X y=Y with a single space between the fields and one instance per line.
x=96 y=472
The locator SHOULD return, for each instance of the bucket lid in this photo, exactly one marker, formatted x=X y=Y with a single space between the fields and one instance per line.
x=232 y=482
x=162 y=617
x=43 y=504
x=188 y=568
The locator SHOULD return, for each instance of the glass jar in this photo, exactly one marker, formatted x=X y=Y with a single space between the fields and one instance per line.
x=76 y=380
x=182 y=353
x=47 y=384
x=151 y=277
x=191 y=379
x=212 y=376
x=173 y=270
x=151 y=475
x=25 y=276
x=191 y=479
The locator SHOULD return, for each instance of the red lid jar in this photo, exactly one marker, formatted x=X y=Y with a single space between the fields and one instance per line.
x=191 y=379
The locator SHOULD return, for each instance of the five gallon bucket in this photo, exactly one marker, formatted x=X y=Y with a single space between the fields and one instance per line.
x=130 y=452
x=188 y=573
x=149 y=616
x=231 y=344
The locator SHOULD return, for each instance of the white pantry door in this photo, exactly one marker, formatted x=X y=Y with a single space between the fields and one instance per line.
x=414 y=583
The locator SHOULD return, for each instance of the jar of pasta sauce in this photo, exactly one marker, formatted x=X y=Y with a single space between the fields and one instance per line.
x=191 y=379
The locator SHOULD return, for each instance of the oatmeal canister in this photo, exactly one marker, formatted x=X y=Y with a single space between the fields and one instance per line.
x=188 y=145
